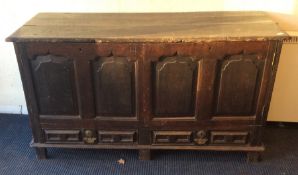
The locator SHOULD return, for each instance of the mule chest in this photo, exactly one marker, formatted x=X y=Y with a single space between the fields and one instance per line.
x=147 y=81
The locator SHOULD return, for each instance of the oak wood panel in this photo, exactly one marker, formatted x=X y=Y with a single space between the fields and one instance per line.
x=173 y=99
x=114 y=86
x=54 y=83
x=238 y=85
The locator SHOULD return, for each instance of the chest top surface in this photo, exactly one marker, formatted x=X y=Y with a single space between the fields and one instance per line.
x=149 y=27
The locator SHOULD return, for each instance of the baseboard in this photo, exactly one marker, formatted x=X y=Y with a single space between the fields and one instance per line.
x=13 y=109
x=274 y=124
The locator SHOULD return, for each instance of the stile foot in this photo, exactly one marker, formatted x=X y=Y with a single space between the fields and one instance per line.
x=254 y=157
x=145 y=154
x=41 y=153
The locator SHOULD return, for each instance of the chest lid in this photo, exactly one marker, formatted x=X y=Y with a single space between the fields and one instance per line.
x=149 y=27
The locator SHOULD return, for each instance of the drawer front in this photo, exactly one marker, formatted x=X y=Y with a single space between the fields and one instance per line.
x=172 y=137
x=200 y=137
x=90 y=136
x=117 y=137
x=227 y=137
x=63 y=136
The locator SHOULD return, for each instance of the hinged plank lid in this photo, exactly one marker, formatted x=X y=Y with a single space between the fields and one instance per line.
x=148 y=27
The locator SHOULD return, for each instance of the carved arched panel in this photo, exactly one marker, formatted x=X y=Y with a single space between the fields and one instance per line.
x=175 y=79
x=114 y=81
x=238 y=82
x=54 y=83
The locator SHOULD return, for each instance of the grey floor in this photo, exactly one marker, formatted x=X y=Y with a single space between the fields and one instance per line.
x=16 y=157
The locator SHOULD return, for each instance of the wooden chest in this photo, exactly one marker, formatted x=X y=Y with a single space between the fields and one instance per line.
x=183 y=81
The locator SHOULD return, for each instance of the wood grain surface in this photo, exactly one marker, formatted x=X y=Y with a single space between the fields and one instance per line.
x=149 y=27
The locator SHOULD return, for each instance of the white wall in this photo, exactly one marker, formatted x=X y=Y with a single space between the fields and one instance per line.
x=13 y=13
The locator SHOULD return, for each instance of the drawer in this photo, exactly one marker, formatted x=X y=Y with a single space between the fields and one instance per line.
x=172 y=137
x=117 y=136
x=229 y=137
x=62 y=136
